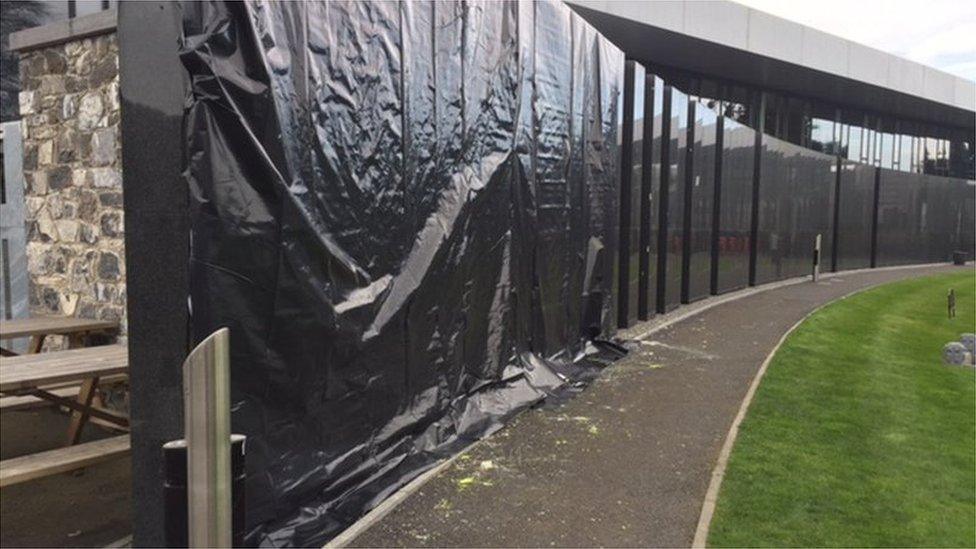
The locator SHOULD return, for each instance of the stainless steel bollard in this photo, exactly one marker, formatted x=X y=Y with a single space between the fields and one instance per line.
x=175 y=525
x=200 y=468
x=816 y=258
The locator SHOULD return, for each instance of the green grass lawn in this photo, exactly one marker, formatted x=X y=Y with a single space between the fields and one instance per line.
x=858 y=434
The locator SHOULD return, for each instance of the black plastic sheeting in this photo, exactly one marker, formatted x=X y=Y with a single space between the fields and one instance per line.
x=406 y=214
x=738 y=144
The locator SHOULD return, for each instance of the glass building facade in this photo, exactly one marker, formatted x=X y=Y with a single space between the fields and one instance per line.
x=730 y=187
x=853 y=134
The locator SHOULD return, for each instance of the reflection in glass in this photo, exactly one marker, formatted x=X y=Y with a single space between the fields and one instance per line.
x=822 y=136
x=796 y=204
x=856 y=204
x=738 y=142
x=700 y=191
x=676 y=179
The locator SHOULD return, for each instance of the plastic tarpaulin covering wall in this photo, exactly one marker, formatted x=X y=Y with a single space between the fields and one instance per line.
x=406 y=213
x=796 y=204
x=738 y=144
x=856 y=204
x=699 y=198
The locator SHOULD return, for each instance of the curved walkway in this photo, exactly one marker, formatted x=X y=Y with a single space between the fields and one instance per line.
x=628 y=461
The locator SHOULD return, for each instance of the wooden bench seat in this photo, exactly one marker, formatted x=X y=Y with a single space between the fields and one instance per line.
x=52 y=325
x=33 y=466
x=28 y=372
x=38 y=328
x=64 y=390
x=26 y=402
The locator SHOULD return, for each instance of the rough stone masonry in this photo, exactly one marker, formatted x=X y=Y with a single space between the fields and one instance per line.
x=69 y=106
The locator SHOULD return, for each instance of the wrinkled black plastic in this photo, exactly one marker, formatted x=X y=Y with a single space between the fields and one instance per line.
x=407 y=215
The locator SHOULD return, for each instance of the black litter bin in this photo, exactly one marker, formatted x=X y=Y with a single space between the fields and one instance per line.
x=959 y=258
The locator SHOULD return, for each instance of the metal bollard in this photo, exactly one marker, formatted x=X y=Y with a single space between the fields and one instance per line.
x=175 y=522
x=202 y=464
x=816 y=258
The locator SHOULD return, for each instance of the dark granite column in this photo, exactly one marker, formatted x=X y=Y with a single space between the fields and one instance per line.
x=157 y=246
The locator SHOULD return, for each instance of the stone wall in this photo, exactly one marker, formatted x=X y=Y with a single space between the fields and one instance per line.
x=69 y=106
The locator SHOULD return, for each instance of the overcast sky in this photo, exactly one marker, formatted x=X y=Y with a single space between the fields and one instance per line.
x=938 y=33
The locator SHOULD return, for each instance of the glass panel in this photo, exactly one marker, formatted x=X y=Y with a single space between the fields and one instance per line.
x=855 y=143
x=930 y=155
x=901 y=218
x=796 y=204
x=856 y=208
x=738 y=144
x=887 y=149
x=702 y=193
x=822 y=135
x=868 y=145
x=948 y=222
x=630 y=193
x=905 y=145
x=651 y=186
x=637 y=165
x=87 y=7
x=677 y=145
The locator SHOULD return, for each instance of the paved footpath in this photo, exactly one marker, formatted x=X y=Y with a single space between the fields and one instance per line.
x=627 y=462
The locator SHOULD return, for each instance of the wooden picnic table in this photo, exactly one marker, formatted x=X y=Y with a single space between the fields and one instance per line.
x=29 y=374
x=39 y=327
x=34 y=374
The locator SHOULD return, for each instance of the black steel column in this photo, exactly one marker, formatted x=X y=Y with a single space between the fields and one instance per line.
x=662 y=205
x=626 y=196
x=759 y=122
x=717 y=201
x=689 y=187
x=874 y=218
x=156 y=246
x=647 y=182
x=835 y=227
